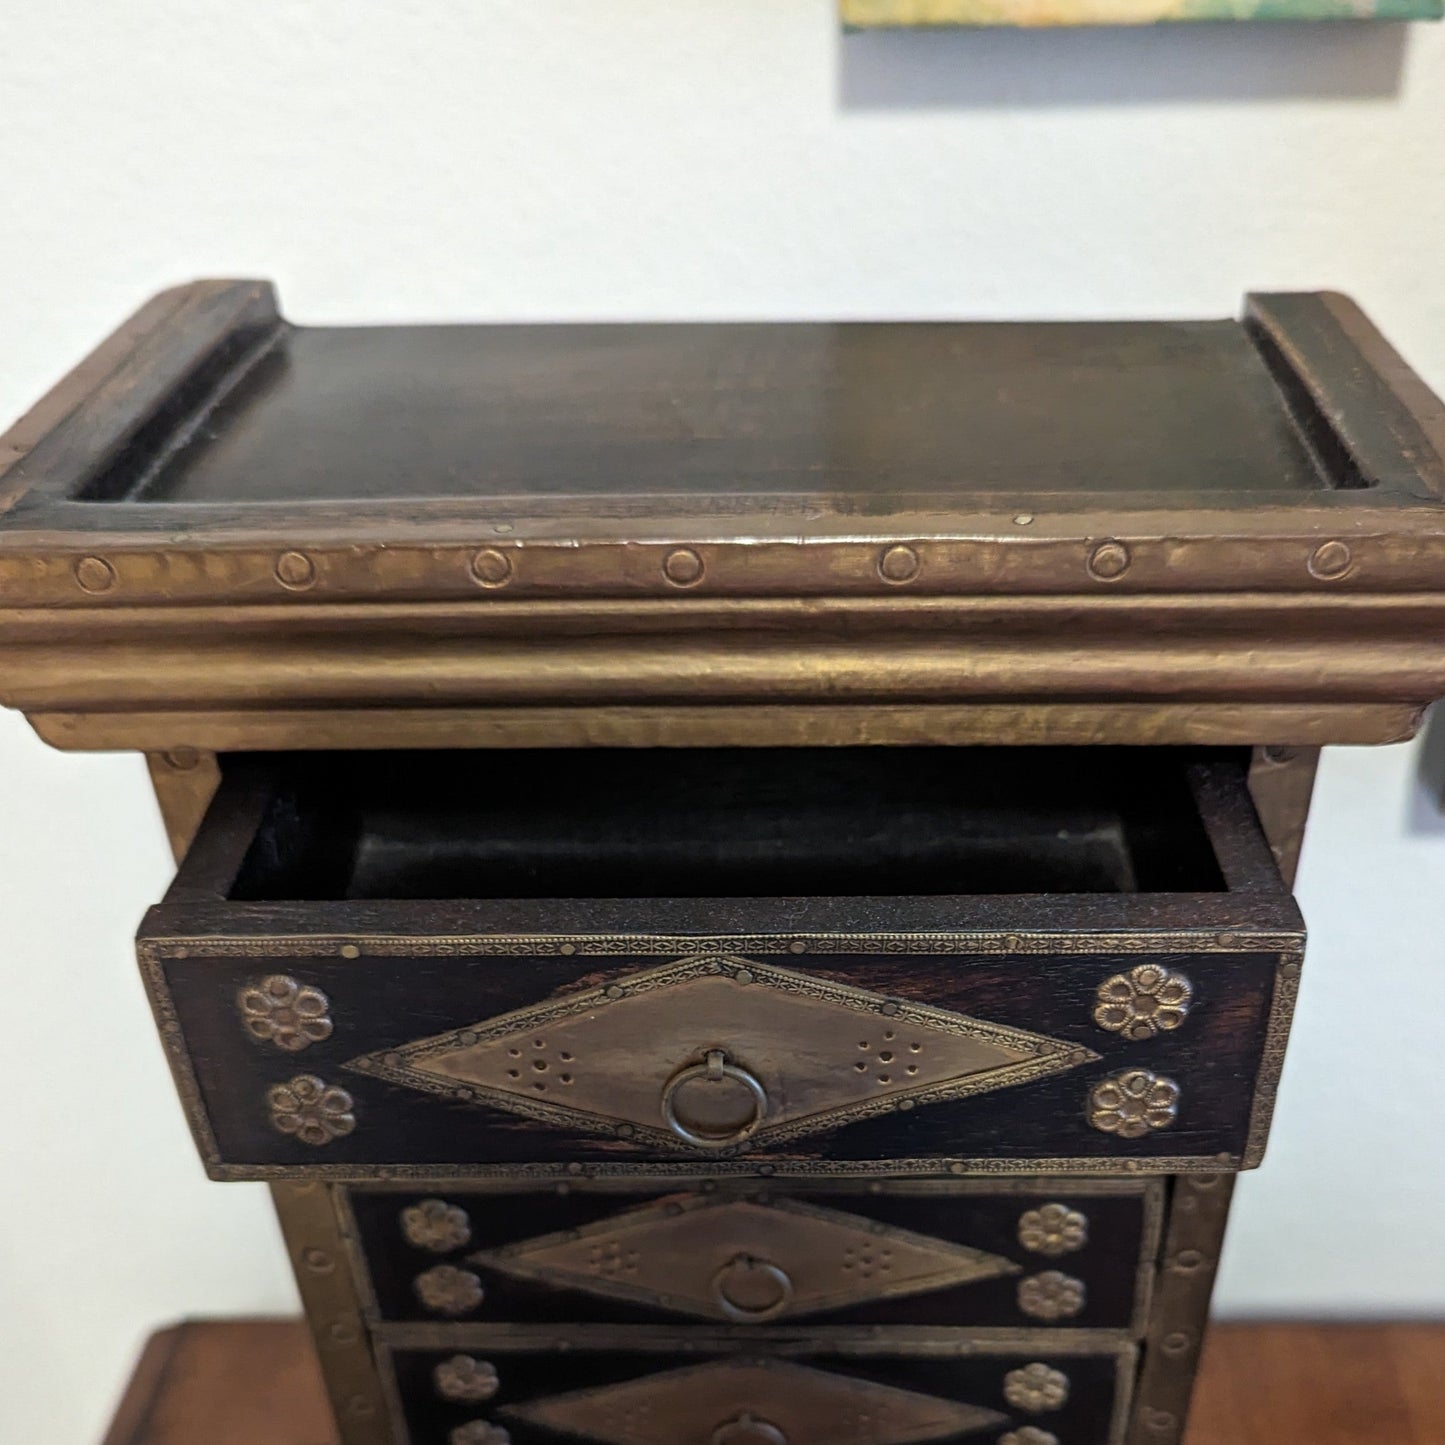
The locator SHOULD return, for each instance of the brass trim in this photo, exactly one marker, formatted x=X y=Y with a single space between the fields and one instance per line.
x=732 y=725
x=1271 y=1068
x=1281 y=783
x=1198 y=1214
x=686 y=945
x=326 y=1278
x=184 y=780
x=704 y=1178
x=933 y=1340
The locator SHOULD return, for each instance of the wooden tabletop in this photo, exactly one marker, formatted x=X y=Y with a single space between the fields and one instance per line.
x=196 y=1384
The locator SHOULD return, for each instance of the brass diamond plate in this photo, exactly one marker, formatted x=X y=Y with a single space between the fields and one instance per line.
x=744 y=1260
x=708 y=1052
x=746 y=1402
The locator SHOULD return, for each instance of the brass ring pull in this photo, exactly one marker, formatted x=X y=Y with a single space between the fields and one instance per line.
x=715 y=1070
x=745 y=1264
x=748 y=1430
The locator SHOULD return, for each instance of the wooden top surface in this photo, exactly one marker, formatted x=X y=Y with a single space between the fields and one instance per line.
x=256 y=1383
x=863 y=420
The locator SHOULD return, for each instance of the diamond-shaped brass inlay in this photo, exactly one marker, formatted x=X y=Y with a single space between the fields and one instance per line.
x=747 y=1402
x=707 y=1052
x=744 y=1259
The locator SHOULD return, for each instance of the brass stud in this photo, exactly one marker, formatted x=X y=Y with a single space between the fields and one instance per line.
x=1176 y=1344
x=683 y=568
x=492 y=568
x=295 y=570
x=1109 y=560
x=94 y=574
x=1331 y=560
x=350 y=950
x=899 y=564
x=318 y=1261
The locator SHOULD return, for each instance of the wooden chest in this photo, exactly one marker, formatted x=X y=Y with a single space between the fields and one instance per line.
x=736 y=880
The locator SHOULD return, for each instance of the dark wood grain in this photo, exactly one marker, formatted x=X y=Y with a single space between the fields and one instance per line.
x=1260 y=1385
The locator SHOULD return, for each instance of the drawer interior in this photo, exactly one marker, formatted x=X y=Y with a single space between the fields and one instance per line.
x=739 y=822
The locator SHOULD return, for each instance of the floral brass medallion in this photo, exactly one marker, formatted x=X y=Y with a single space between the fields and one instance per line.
x=281 y=1011
x=752 y=1401
x=311 y=1110
x=1051 y=1296
x=435 y=1225
x=1146 y=1001
x=744 y=1260
x=447 y=1290
x=1053 y=1230
x=709 y=1052
x=1134 y=1103
x=1036 y=1388
x=465 y=1379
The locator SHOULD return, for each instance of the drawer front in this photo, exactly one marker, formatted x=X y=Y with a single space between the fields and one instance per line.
x=353 y=1056
x=1025 y=1393
x=903 y=1253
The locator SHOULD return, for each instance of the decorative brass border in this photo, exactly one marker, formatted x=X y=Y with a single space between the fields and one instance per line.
x=152 y=953
x=327 y=1278
x=1271 y=1068
x=682 y=945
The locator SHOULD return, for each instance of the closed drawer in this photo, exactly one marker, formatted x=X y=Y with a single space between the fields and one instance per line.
x=466 y=1389
x=340 y=1000
x=1043 y=1252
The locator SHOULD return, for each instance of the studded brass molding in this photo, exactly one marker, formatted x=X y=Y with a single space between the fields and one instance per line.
x=1133 y=1103
x=466 y=1379
x=480 y=1432
x=1036 y=1388
x=1051 y=1296
x=311 y=1110
x=436 y=1225
x=1053 y=1230
x=754 y=1402
x=281 y=1011
x=1146 y=1001
x=747 y=1260
x=785 y=1054
x=448 y=1290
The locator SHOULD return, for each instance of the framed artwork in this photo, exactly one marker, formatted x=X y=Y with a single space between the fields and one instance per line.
x=890 y=14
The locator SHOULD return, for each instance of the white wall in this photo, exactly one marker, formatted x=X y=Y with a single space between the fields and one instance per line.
x=640 y=159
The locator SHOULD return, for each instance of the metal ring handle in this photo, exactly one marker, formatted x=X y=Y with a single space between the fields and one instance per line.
x=748 y=1428
x=714 y=1070
x=742 y=1313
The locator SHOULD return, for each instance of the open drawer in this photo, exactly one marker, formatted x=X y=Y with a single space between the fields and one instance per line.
x=800 y=962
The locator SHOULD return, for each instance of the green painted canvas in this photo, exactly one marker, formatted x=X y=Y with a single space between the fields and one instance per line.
x=882 y=14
